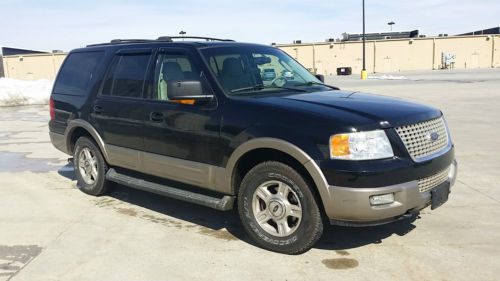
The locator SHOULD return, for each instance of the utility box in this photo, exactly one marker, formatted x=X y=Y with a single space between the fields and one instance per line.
x=344 y=70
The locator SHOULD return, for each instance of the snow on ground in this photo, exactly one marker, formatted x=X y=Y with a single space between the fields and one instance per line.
x=387 y=77
x=19 y=92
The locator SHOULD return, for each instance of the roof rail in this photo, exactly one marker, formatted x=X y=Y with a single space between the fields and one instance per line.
x=120 y=41
x=161 y=38
x=169 y=38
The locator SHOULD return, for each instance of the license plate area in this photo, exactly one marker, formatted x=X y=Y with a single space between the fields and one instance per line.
x=439 y=195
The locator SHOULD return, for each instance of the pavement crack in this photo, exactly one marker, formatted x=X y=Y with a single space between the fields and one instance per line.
x=479 y=191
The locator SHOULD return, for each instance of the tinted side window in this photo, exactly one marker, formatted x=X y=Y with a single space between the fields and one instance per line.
x=126 y=75
x=76 y=73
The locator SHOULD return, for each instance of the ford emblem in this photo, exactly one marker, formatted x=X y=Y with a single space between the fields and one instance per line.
x=433 y=136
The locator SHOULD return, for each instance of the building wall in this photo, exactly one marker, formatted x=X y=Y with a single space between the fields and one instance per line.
x=399 y=54
x=33 y=66
x=324 y=58
x=1 y=67
x=471 y=52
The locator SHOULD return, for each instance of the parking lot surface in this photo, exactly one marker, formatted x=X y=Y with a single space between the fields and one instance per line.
x=49 y=230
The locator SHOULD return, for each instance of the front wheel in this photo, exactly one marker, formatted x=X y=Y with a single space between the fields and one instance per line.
x=278 y=209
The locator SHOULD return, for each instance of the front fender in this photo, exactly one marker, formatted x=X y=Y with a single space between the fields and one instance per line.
x=281 y=145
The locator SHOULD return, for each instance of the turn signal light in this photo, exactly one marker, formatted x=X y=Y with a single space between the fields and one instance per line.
x=340 y=145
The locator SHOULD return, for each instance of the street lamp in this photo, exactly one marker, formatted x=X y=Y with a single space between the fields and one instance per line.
x=364 y=75
x=182 y=33
x=391 y=23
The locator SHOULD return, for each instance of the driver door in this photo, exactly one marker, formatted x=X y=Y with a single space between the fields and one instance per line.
x=182 y=140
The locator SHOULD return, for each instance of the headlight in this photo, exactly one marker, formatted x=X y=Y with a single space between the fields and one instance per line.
x=360 y=146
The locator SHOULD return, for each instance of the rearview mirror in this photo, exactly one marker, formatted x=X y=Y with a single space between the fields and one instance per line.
x=187 y=90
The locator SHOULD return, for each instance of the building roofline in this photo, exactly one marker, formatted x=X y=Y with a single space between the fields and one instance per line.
x=384 y=40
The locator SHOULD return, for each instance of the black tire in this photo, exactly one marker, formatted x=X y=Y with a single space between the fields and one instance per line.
x=99 y=185
x=306 y=233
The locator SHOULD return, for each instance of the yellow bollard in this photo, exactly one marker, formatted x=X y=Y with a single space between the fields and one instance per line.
x=364 y=74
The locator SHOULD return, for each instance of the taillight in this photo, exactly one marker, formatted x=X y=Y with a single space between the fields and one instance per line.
x=51 y=109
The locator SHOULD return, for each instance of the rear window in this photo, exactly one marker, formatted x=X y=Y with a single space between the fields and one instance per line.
x=76 y=73
x=126 y=75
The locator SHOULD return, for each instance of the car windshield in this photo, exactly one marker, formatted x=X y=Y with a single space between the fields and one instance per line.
x=255 y=70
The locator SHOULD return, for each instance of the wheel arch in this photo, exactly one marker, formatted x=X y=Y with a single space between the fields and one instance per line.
x=275 y=147
x=77 y=128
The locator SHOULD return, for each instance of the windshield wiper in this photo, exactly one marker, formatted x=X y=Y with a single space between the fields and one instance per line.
x=261 y=87
x=292 y=89
x=310 y=83
x=254 y=88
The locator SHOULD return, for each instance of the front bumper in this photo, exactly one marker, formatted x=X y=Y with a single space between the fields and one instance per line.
x=351 y=206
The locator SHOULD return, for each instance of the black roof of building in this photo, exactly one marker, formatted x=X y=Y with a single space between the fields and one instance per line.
x=381 y=36
x=489 y=31
x=7 y=51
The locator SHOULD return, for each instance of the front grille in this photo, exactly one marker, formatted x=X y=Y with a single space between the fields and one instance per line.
x=429 y=183
x=418 y=141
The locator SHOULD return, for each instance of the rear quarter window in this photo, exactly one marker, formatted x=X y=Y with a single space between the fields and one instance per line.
x=77 y=72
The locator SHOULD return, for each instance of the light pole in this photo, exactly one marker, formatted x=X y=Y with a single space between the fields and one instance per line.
x=182 y=33
x=364 y=75
x=391 y=23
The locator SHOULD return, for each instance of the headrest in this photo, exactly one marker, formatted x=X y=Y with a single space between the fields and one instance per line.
x=232 y=66
x=172 y=71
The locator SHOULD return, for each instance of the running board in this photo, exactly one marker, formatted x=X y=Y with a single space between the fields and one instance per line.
x=222 y=204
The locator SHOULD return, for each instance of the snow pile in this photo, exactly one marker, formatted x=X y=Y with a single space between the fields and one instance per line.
x=18 y=92
x=387 y=77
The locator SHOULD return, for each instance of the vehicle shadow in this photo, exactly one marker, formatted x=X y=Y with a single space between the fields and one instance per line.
x=67 y=171
x=334 y=237
x=345 y=238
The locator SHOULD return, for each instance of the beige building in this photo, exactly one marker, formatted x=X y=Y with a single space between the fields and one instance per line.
x=480 y=51
x=398 y=54
x=33 y=66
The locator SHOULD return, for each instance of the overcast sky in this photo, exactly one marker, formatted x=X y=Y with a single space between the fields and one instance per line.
x=48 y=25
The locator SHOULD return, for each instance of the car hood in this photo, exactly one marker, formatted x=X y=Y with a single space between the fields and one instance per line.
x=359 y=108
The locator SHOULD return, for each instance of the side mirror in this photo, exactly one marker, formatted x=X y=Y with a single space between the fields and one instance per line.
x=187 y=90
x=262 y=60
x=320 y=77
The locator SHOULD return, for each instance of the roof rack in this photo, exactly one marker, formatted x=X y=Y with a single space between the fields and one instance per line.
x=161 y=38
x=121 y=41
x=169 y=38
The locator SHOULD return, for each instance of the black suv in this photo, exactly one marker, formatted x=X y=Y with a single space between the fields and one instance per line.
x=195 y=120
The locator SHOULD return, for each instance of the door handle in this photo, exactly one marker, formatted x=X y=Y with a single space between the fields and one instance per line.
x=156 y=116
x=97 y=109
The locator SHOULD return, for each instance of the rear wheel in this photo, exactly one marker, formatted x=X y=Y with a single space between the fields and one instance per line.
x=90 y=167
x=278 y=209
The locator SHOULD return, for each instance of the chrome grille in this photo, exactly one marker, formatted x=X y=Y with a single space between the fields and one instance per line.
x=429 y=183
x=418 y=141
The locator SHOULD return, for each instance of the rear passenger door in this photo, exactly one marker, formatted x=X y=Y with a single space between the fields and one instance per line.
x=118 y=111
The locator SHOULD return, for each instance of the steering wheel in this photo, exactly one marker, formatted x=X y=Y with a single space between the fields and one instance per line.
x=279 y=82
